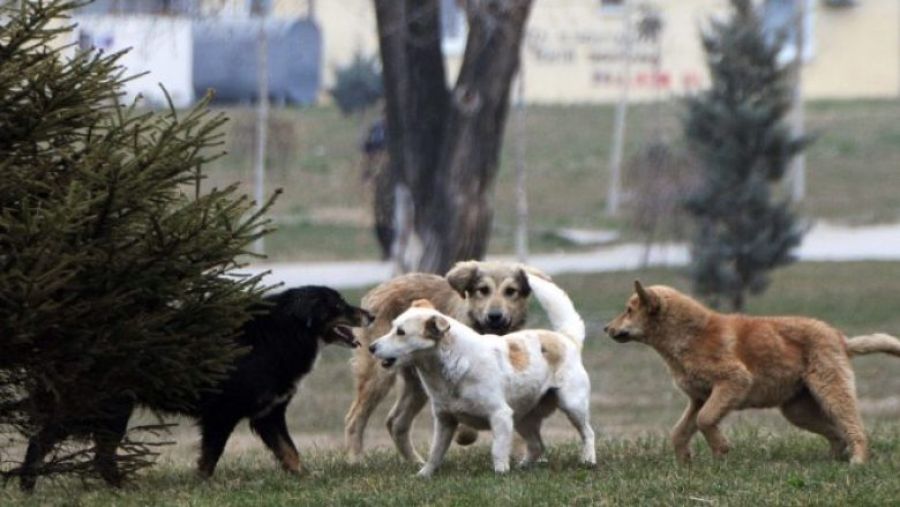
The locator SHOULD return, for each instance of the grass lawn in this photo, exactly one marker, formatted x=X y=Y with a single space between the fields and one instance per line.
x=852 y=170
x=633 y=406
x=763 y=469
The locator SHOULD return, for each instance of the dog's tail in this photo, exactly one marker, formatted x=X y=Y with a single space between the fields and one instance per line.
x=560 y=310
x=872 y=343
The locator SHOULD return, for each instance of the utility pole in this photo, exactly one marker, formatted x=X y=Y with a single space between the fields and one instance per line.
x=614 y=192
x=262 y=116
x=798 y=171
x=521 y=189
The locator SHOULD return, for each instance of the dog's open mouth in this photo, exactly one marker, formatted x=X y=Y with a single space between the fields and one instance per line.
x=621 y=336
x=499 y=329
x=387 y=363
x=344 y=334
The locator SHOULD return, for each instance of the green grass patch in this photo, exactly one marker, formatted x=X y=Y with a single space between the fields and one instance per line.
x=763 y=469
x=634 y=404
x=314 y=156
x=321 y=242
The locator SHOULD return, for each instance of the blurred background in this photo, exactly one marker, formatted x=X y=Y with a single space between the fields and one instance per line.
x=567 y=126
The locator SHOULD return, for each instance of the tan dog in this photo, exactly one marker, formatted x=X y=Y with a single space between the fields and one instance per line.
x=491 y=297
x=731 y=362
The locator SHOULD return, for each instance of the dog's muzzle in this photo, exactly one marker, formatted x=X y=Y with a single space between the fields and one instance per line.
x=386 y=362
x=619 y=335
x=494 y=323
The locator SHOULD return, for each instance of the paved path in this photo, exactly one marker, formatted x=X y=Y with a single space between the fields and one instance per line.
x=823 y=243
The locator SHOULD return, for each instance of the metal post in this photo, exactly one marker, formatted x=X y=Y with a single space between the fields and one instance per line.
x=262 y=119
x=521 y=189
x=798 y=171
x=613 y=196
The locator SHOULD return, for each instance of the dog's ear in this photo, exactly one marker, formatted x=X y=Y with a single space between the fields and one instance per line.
x=463 y=276
x=522 y=282
x=422 y=303
x=436 y=327
x=648 y=299
x=533 y=271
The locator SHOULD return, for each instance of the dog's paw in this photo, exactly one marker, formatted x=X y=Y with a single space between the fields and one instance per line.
x=840 y=452
x=683 y=458
x=526 y=463
x=425 y=472
x=298 y=473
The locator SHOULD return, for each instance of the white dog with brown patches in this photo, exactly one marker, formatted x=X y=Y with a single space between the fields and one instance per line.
x=501 y=383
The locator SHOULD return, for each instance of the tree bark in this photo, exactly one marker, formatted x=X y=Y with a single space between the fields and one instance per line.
x=445 y=144
x=737 y=301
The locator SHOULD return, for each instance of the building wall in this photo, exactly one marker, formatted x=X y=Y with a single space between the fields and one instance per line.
x=858 y=51
x=574 y=52
x=573 y=48
x=347 y=26
x=160 y=45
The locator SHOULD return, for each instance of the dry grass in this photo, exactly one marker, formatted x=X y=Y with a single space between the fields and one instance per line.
x=313 y=155
x=632 y=389
x=634 y=404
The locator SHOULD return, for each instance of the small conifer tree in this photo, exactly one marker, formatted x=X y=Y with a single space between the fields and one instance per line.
x=738 y=134
x=357 y=85
x=115 y=264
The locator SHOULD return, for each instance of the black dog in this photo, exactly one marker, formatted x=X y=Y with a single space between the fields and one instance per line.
x=283 y=339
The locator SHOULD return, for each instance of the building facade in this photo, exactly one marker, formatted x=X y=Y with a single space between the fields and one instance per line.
x=576 y=50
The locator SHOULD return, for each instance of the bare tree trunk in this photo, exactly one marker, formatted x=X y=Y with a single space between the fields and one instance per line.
x=521 y=187
x=445 y=144
x=403 y=210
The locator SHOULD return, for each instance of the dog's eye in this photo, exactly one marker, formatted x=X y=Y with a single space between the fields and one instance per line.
x=628 y=310
x=484 y=291
x=400 y=332
x=510 y=292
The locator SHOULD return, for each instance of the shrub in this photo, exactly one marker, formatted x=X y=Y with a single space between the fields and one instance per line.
x=357 y=85
x=738 y=134
x=114 y=260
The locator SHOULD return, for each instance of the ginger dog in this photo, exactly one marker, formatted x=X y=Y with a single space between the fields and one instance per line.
x=732 y=362
x=504 y=383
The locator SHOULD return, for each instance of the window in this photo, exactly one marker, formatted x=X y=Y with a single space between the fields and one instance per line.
x=611 y=5
x=840 y=3
x=453 y=27
x=260 y=7
x=172 y=7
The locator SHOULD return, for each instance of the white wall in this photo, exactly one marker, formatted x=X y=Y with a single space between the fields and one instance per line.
x=162 y=45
